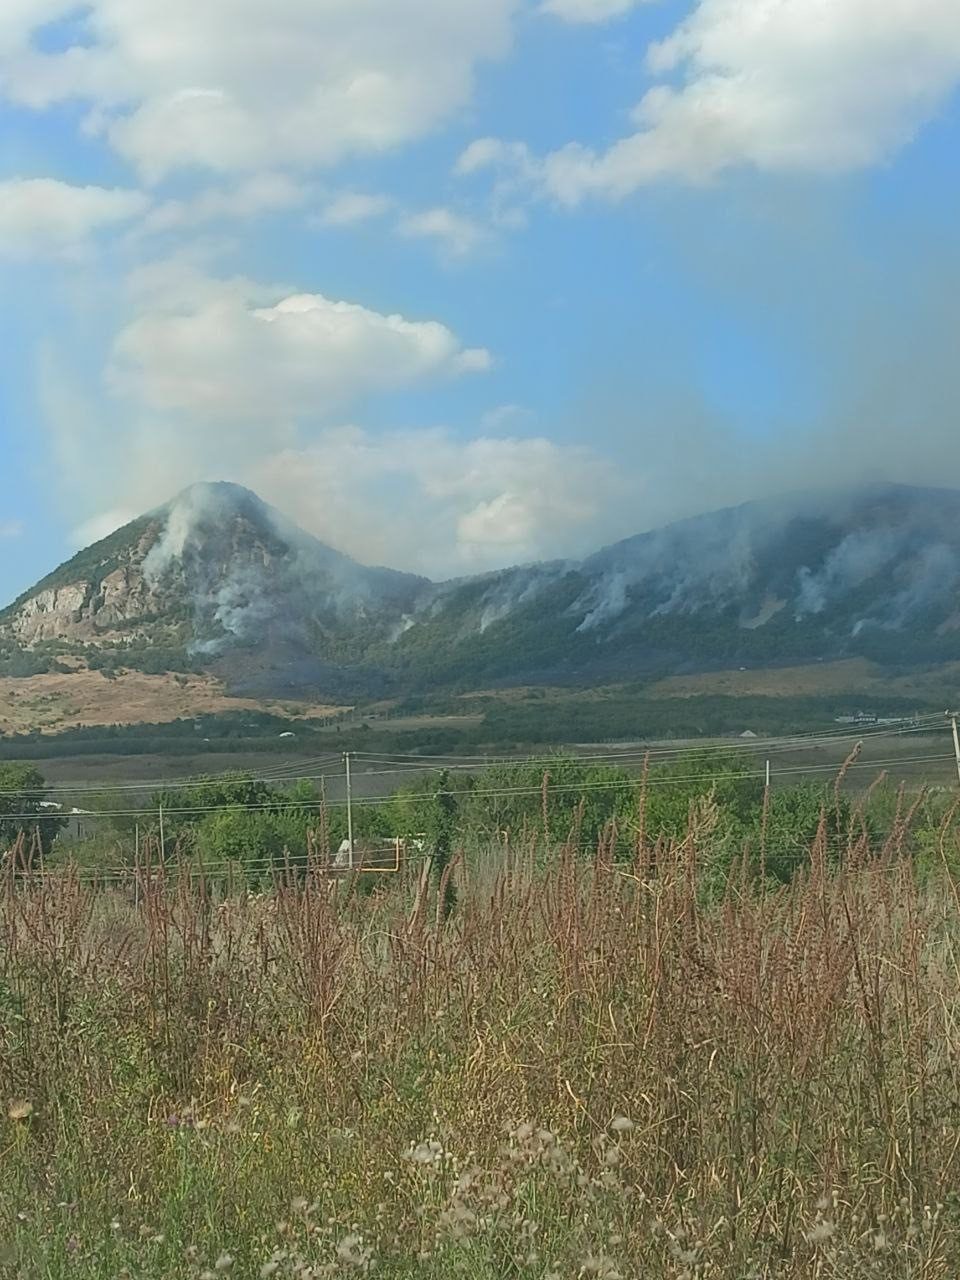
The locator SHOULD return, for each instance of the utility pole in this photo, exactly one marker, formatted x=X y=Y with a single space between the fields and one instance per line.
x=346 y=761
x=163 y=855
x=767 y=783
x=956 y=738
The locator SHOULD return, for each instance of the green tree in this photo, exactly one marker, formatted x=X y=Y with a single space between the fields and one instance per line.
x=793 y=819
x=551 y=799
x=186 y=808
x=441 y=833
x=22 y=809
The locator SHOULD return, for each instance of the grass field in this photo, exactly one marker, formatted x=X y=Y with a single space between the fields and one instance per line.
x=54 y=703
x=584 y=1072
x=915 y=759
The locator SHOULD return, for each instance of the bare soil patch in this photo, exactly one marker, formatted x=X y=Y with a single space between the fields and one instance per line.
x=53 y=703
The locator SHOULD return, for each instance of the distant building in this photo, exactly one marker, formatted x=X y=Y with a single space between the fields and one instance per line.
x=77 y=823
x=370 y=855
x=748 y=733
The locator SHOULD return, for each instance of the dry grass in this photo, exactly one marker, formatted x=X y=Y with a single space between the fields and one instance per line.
x=54 y=703
x=850 y=677
x=585 y=1073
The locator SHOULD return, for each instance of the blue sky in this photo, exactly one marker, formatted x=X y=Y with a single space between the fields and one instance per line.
x=458 y=283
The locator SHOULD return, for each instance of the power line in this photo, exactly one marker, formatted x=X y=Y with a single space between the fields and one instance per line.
x=414 y=762
x=280 y=805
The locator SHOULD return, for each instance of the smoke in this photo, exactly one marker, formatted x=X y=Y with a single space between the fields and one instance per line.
x=859 y=557
x=245 y=570
x=515 y=589
x=707 y=562
x=184 y=516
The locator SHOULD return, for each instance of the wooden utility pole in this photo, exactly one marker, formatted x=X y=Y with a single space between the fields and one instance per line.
x=956 y=739
x=346 y=761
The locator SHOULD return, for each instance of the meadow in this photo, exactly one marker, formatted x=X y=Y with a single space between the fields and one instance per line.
x=588 y=1067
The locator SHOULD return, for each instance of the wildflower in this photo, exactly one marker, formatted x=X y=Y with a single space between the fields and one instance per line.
x=429 y=1152
x=820 y=1232
x=20 y=1109
x=601 y=1267
x=621 y=1124
x=352 y=1252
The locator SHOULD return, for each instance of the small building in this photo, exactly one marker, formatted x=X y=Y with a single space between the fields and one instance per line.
x=77 y=824
x=383 y=855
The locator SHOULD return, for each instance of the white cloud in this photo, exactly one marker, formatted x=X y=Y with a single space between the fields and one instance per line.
x=430 y=502
x=231 y=85
x=350 y=207
x=101 y=526
x=259 y=194
x=227 y=355
x=11 y=528
x=810 y=86
x=494 y=153
x=506 y=416
x=43 y=217
x=579 y=11
x=518 y=178
x=457 y=235
x=230 y=379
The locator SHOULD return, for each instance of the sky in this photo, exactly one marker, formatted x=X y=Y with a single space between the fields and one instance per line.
x=462 y=283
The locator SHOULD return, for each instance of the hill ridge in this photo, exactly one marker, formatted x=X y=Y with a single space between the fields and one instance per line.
x=220 y=576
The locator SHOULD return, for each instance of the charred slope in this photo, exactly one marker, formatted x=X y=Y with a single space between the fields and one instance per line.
x=215 y=571
x=874 y=573
x=222 y=576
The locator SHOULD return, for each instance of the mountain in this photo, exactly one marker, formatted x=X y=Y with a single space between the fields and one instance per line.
x=216 y=573
x=218 y=578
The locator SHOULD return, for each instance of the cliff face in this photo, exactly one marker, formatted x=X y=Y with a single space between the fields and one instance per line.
x=85 y=612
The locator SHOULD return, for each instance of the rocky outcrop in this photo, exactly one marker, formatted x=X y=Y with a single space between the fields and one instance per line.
x=57 y=614
x=84 y=613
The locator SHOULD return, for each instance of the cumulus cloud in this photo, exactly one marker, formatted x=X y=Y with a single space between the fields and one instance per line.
x=796 y=86
x=457 y=235
x=428 y=501
x=233 y=85
x=492 y=153
x=102 y=525
x=584 y=11
x=252 y=197
x=350 y=207
x=230 y=379
x=42 y=217
x=224 y=355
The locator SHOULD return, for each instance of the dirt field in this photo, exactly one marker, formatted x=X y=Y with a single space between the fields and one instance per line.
x=855 y=676
x=57 y=702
